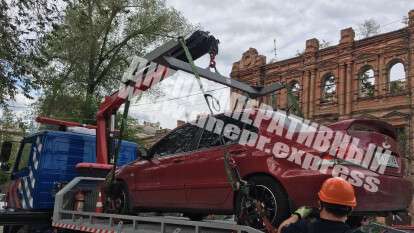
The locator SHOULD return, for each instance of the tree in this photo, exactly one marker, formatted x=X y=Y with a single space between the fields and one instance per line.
x=87 y=54
x=368 y=28
x=22 y=22
x=11 y=68
x=325 y=44
x=12 y=129
x=131 y=130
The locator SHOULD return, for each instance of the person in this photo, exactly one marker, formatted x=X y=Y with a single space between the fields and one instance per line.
x=336 y=199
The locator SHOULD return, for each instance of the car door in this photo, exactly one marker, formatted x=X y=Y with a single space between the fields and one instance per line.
x=207 y=185
x=160 y=181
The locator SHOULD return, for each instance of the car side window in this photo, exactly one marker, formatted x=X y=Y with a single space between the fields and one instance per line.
x=210 y=138
x=181 y=140
x=240 y=124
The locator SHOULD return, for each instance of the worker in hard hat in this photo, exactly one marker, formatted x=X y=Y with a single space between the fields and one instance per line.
x=336 y=199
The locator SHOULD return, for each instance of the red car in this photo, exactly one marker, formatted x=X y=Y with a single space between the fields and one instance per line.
x=184 y=172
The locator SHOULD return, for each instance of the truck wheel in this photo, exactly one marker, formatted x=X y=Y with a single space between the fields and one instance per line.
x=271 y=195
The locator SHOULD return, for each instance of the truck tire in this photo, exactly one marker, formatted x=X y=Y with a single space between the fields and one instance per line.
x=271 y=194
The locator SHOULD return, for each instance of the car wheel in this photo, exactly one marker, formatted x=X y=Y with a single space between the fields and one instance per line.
x=270 y=194
x=118 y=201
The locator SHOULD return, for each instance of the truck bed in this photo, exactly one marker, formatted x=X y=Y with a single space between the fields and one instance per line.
x=88 y=221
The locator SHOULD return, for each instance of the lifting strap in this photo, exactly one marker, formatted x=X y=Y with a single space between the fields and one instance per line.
x=231 y=170
x=197 y=76
x=121 y=135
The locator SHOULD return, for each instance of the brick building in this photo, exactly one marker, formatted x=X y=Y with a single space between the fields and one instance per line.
x=368 y=78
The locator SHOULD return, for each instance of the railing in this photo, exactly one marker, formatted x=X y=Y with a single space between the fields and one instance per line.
x=65 y=217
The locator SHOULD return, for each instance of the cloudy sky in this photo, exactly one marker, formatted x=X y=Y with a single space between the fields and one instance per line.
x=256 y=23
x=242 y=24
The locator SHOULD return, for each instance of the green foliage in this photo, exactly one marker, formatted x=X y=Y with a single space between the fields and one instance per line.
x=11 y=126
x=367 y=85
x=131 y=130
x=403 y=140
x=22 y=24
x=293 y=90
x=3 y=177
x=12 y=57
x=12 y=129
x=397 y=86
x=88 y=52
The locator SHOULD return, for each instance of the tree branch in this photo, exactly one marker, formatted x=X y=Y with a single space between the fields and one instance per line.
x=101 y=58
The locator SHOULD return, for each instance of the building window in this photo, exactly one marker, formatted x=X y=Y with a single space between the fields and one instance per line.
x=396 y=78
x=294 y=88
x=366 y=82
x=293 y=99
x=328 y=89
x=273 y=101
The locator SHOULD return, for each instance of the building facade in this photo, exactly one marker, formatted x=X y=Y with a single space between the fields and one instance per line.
x=368 y=78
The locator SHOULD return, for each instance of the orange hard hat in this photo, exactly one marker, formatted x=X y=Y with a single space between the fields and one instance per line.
x=337 y=191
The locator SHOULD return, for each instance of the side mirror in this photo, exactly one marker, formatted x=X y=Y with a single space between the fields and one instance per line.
x=143 y=153
x=6 y=149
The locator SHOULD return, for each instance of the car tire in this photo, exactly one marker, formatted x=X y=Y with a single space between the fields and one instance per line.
x=119 y=202
x=270 y=190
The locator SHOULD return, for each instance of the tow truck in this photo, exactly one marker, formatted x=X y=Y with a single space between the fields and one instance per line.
x=92 y=212
x=45 y=162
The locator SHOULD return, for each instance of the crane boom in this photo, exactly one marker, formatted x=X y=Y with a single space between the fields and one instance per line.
x=154 y=67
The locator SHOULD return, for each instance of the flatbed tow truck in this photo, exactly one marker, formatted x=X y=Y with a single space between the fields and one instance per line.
x=74 y=214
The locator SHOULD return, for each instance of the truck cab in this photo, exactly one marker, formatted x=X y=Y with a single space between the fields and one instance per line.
x=46 y=161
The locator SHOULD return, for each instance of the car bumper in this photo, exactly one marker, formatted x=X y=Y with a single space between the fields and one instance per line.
x=394 y=193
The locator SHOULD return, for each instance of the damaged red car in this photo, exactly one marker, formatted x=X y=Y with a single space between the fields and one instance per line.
x=184 y=172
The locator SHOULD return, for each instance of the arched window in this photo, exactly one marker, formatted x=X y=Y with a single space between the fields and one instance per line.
x=294 y=87
x=366 y=82
x=396 y=78
x=272 y=100
x=328 y=89
x=293 y=99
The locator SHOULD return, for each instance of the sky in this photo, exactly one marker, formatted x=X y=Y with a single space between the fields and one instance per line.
x=242 y=24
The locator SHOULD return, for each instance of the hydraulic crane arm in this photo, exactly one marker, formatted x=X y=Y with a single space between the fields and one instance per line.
x=157 y=65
